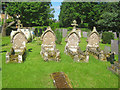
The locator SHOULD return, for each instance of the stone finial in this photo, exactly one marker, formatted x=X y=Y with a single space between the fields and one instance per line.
x=74 y=24
x=48 y=28
x=94 y=29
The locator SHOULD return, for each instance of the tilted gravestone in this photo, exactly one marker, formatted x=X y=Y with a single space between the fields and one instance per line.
x=48 y=47
x=79 y=32
x=64 y=32
x=115 y=35
x=114 y=46
x=107 y=49
x=18 y=49
x=72 y=46
x=85 y=34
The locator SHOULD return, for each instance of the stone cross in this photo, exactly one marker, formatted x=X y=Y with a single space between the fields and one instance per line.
x=74 y=24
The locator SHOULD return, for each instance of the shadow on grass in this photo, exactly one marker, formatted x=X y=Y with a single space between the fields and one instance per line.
x=4 y=45
x=30 y=50
x=3 y=51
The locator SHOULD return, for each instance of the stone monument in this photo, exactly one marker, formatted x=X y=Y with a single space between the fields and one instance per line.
x=48 y=47
x=18 y=49
x=72 y=46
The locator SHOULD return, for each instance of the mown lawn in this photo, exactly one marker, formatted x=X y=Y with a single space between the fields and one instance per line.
x=35 y=73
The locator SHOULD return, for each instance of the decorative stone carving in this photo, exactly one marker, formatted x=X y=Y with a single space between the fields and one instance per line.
x=48 y=47
x=72 y=47
x=18 y=49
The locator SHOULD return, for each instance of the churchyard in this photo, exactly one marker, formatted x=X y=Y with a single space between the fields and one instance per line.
x=79 y=49
x=34 y=72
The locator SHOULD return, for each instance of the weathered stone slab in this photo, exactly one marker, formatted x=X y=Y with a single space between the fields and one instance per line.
x=78 y=32
x=114 y=46
x=61 y=80
x=115 y=35
x=64 y=32
x=85 y=34
x=107 y=49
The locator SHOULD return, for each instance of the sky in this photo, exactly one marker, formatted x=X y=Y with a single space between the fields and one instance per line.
x=56 y=6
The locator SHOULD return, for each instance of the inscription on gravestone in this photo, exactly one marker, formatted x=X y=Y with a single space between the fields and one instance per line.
x=85 y=34
x=114 y=46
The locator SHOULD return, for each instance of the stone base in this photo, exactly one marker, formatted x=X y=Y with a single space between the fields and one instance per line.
x=115 y=68
x=15 y=58
x=53 y=56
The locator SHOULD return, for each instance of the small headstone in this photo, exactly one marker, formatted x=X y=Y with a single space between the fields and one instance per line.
x=101 y=35
x=114 y=46
x=115 y=35
x=109 y=31
x=78 y=32
x=85 y=34
x=64 y=32
x=106 y=49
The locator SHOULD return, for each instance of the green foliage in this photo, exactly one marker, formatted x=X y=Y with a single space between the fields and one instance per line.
x=105 y=16
x=69 y=28
x=31 y=13
x=54 y=25
x=58 y=36
x=107 y=37
x=9 y=20
x=109 y=17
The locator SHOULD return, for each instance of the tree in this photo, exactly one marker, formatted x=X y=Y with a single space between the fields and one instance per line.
x=109 y=19
x=31 y=13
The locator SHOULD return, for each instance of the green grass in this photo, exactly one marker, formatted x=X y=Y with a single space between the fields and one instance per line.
x=35 y=73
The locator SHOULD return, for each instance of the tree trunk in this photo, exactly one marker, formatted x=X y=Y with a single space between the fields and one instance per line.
x=4 y=25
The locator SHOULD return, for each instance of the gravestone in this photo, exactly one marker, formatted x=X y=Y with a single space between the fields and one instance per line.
x=114 y=46
x=100 y=35
x=79 y=32
x=18 y=49
x=72 y=46
x=107 y=49
x=93 y=39
x=115 y=35
x=48 y=47
x=64 y=32
x=85 y=34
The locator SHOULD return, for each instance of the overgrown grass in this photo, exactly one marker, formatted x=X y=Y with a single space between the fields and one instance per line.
x=35 y=73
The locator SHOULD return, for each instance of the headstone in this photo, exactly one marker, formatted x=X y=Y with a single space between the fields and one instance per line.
x=48 y=47
x=114 y=46
x=27 y=33
x=19 y=46
x=79 y=32
x=85 y=34
x=72 y=45
x=61 y=80
x=107 y=49
x=100 y=35
x=93 y=39
x=64 y=32
x=115 y=35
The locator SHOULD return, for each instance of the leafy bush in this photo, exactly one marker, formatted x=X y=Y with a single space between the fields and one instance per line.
x=54 y=25
x=58 y=36
x=106 y=37
x=69 y=28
